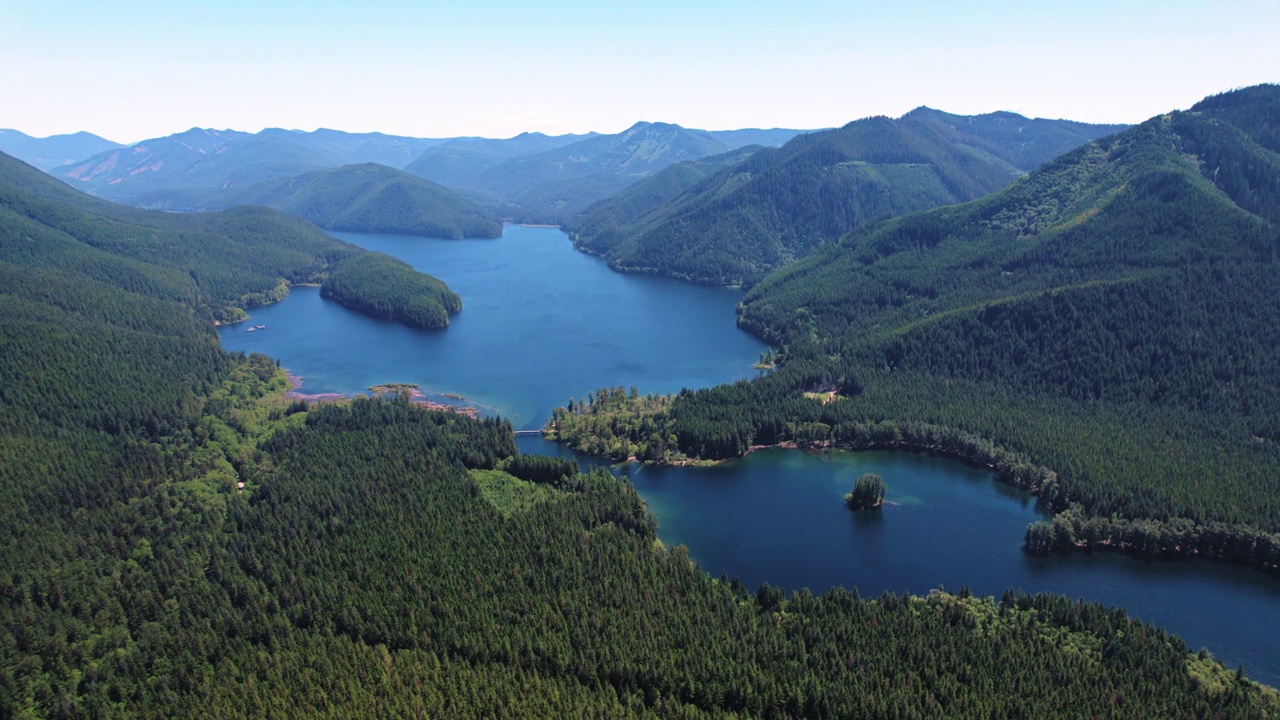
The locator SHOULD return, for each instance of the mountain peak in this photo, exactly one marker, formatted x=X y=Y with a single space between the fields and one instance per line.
x=1268 y=93
x=646 y=125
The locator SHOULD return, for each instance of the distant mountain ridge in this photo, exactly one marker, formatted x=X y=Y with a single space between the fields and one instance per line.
x=659 y=190
x=531 y=176
x=554 y=185
x=360 y=198
x=203 y=159
x=773 y=137
x=460 y=162
x=780 y=204
x=54 y=151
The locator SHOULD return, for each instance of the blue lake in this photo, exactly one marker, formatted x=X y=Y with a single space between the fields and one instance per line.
x=542 y=323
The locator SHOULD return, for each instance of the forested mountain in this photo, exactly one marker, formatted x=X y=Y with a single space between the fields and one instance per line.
x=54 y=151
x=180 y=540
x=356 y=148
x=222 y=159
x=531 y=176
x=554 y=185
x=773 y=137
x=655 y=193
x=358 y=198
x=1102 y=332
x=460 y=162
x=216 y=263
x=779 y=205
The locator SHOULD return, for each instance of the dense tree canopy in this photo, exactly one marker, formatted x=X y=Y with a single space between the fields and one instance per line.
x=383 y=287
x=868 y=492
x=734 y=225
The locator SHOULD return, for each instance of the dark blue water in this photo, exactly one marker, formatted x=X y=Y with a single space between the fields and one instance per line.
x=778 y=516
x=542 y=323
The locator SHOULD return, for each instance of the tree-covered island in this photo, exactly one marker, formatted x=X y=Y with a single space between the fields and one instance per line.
x=867 y=494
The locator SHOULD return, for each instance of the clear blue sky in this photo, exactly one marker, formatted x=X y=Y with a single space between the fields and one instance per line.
x=132 y=69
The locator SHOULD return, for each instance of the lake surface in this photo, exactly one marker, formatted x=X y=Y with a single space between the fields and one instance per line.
x=542 y=323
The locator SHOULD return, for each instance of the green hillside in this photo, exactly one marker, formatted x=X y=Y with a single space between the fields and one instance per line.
x=181 y=540
x=552 y=186
x=1102 y=332
x=356 y=198
x=218 y=263
x=656 y=193
x=779 y=205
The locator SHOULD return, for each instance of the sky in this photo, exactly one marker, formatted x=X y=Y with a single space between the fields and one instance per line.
x=135 y=69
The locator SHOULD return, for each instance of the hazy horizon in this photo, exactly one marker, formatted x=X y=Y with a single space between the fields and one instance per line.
x=129 y=70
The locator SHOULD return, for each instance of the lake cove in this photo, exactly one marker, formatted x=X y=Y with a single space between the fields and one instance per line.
x=779 y=516
x=542 y=323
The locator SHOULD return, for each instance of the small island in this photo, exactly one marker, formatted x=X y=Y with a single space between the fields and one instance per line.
x=868 y=493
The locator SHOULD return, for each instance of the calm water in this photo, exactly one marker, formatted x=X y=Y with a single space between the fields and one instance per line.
x=542 y=323
x=778 y=516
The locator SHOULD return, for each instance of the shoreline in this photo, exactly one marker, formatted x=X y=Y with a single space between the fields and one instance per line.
x=418 y=397
x=415 y=395
x=1188 y=549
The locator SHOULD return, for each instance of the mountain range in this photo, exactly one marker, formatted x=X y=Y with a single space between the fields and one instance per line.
x=554 y=185
x=223 y=159
x=359 y=198
x=54 y=151
x=183 y=540
x=461 y=161
x=531 y=177
x=780 y=204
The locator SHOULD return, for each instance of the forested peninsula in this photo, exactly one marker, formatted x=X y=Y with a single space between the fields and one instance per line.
x=381 y=286
x=1102 y=333
x=181 y=540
